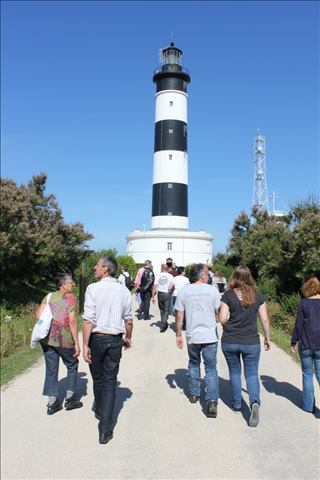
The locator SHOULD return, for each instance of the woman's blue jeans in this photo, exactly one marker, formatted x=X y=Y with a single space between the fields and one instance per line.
x=209 y=355
x=310 y=361
x=250 y=355
x=52 y=356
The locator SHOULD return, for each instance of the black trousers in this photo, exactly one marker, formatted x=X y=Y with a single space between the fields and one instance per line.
x=164 y=302
x=145 y=303
x=106 y=351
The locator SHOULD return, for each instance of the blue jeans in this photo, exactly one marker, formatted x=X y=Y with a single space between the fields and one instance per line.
x=209 y=355
x=106 y=352
x=310 y=361
x=250 y=355
x=52 y=356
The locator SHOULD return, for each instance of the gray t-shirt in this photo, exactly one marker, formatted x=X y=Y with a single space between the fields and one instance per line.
x=199 y=301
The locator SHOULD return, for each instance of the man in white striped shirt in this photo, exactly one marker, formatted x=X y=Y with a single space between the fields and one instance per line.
x=107 y=317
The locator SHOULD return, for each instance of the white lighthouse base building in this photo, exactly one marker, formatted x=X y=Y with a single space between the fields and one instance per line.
x=183 y=246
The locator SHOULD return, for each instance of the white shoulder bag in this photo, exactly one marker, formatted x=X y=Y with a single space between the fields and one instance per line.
x=42 y=326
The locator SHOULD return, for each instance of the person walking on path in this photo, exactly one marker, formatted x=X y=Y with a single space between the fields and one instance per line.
x=146 y=284
x=200 y=303
x=125 y=278
x=307 y=334
x=107 y=317
x=163 y=284
x=61 y=342
x=240 y=305
x=219 y=281
x=179 y=282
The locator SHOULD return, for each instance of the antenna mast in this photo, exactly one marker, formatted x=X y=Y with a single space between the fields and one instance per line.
x=260 y=194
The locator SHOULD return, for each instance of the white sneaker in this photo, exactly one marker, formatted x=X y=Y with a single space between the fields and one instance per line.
x=254 y=417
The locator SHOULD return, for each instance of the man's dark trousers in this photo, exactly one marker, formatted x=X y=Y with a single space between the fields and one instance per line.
x=164 y=302
x=145 y=303
x=106 y=351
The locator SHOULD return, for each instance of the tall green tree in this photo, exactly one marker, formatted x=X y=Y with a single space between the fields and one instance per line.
x=36 y=243
x=279 y=251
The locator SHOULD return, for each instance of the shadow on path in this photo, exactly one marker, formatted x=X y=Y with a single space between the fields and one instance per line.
x=179 y=379
x=282 y=389
x=285 y=390
x=122 y=395
x=81 y=389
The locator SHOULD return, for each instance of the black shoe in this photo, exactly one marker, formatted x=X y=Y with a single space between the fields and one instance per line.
x=147 y=318
x=254 y=417
x=140 y=317
x=212 y=408
x=193 y=398
x=55 y=407
x=163 y=329
x=105 y=437
x=72 y=403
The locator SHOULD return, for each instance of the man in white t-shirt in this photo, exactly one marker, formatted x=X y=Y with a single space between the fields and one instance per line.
x=163 y=284
x=179 y=282
x=200 y=302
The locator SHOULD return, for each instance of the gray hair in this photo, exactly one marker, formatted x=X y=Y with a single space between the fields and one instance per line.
x=62 y=278
x=146 y=263
x=196 y=271
x=110 y=263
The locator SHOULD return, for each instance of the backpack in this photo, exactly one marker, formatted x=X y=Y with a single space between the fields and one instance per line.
x=128 y=282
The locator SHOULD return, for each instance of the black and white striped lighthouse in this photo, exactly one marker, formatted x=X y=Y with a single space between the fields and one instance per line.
x=170 y=235
x=170 y=159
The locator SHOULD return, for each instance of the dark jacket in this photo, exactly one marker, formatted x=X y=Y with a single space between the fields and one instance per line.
x=307 y=326
x=147 y=280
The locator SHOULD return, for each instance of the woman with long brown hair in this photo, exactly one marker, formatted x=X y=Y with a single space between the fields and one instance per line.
x=240 y=305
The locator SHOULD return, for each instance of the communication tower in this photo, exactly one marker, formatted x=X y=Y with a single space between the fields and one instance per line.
x=260 y=193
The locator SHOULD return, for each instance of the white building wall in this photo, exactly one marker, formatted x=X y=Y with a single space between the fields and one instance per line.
x=170 y=221
x=183 y=247
x=171 y=105
x=170 y=166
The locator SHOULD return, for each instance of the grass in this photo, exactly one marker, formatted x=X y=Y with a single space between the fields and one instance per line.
x=18 y=362
x=16 y=354
x=282 y=340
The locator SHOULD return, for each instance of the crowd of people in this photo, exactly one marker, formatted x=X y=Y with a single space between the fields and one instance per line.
x=197 y=301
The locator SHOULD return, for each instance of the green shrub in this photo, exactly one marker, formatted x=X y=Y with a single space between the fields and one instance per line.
x=283 y=313
x=268 y=287
x=16 y=328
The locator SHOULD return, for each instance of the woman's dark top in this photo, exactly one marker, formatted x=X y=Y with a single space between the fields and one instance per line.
x=307 y=327
x=242 y=324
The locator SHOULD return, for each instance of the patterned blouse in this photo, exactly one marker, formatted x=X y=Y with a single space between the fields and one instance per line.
x=61 y=304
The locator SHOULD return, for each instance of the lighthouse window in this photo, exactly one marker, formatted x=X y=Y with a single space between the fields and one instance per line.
x=171 y=103
x=170 y=130
x=169 y=245
x=169 y=185
x=170 y=156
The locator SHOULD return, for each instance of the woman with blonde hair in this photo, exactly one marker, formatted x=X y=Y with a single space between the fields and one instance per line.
x=307 y=334
x=240 y=305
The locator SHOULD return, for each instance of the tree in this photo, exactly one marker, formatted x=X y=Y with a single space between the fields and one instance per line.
x=305 y=223
x=36 y=242
x=279 y=251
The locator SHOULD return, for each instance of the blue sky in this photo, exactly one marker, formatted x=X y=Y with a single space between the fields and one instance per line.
x=78 y=103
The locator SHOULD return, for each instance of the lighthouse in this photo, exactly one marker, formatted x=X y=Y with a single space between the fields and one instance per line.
x=170 y=158
x=170 y=235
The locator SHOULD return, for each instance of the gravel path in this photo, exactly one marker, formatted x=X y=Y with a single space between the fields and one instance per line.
x=158 y=433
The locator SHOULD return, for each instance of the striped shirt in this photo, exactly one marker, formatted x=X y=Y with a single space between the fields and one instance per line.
x=107 y=306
